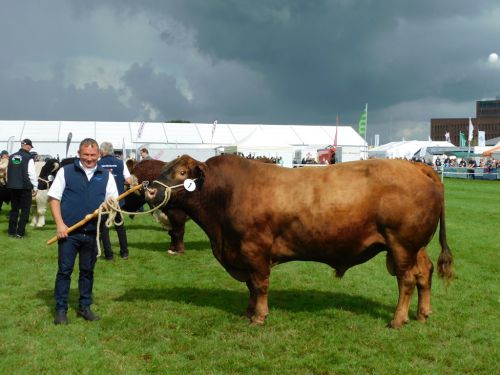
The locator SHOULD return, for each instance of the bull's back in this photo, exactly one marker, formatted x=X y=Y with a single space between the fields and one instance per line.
x=343 y=206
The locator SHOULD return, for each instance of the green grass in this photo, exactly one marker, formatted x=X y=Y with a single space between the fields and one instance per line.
x=181 y=315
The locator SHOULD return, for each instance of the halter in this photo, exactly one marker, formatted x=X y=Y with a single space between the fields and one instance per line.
x=168 y=191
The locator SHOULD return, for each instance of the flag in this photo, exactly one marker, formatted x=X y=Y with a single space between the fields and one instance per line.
x=336 y=132
x=447 y=136
x=363 y=122
x=213 y=130
x=68 y=142
x=377 y=140
x=124 y=150
x=471 y=130
x=481 y=138
x=141 y=129
x=462 y=139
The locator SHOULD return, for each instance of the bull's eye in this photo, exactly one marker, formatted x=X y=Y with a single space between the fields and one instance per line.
x=182 y=173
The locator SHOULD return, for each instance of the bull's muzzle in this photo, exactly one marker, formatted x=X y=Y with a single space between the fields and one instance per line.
x=151 y=193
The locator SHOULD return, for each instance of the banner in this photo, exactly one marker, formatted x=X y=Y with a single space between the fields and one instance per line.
x=141 y=128
x=462 y=139
x=124 y=150
x=377 y=140
x=481 y=138
x=363 y=122
x=213 y=130
x=471 y=130
x=68 y=142
x=447 y=136
x=336 y=131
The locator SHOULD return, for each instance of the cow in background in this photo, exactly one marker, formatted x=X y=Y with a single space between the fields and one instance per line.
x=46 y=173
x=174 y=221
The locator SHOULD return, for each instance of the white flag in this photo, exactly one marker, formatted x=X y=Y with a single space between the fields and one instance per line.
x=447 y=136
x=471 y=130
x=213 y=130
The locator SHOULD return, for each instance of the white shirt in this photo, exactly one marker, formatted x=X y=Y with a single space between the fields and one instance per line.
x=126 y=172
x=59 y=184
x=32 y=174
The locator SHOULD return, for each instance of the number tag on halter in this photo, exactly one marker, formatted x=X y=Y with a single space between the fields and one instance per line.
x=50 y=178
x=189 y=185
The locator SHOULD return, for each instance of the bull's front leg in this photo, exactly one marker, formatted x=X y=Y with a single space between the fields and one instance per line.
x=260 y=284
x=177 y=220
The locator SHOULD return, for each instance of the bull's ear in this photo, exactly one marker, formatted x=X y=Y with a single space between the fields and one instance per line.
x=200 y=170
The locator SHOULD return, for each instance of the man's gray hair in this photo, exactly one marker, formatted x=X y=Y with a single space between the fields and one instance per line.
x=107 y=148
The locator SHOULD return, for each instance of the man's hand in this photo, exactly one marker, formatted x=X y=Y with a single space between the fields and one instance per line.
x=62 y=231
x=33 y=193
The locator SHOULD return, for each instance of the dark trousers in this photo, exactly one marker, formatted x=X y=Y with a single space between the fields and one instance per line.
x=122 y=237
x=85 y=246
x=20 y=204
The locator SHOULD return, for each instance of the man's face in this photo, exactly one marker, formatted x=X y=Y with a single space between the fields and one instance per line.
x=89 y=155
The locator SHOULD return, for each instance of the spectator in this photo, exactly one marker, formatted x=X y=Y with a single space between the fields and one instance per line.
x=145 y=154
x=22 y=183
x=78 y=189
x=4 y=192
x=121 y=174
x=470 y=170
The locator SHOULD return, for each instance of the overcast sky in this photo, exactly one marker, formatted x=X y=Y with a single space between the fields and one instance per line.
x=241 y=61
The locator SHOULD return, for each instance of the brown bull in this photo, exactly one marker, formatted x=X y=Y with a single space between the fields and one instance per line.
x=258 y=215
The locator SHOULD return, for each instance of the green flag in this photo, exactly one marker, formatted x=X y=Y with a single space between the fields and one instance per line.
x=363 y=120
x=462 y=139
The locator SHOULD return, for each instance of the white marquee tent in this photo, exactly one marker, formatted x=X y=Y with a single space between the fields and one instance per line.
x=167 y=140
x=405 y=149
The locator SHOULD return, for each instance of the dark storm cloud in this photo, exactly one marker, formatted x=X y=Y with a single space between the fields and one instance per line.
x=281 y=61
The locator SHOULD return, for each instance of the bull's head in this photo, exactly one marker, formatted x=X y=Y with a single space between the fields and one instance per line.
x=171 y=180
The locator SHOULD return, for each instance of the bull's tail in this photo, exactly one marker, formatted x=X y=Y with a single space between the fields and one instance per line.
x=445 y=260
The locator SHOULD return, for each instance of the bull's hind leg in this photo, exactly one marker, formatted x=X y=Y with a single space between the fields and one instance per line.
x=424 y=281
x=252 y=300
x=406 y=268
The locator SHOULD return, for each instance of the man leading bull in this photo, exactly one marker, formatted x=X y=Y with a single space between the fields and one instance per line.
x=78 y=190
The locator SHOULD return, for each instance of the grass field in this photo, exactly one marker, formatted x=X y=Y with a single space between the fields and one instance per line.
x=181 y=315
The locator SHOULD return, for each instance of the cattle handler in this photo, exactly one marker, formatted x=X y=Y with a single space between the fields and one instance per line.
x=121 y=175
x=78 y=190
x=22 y=183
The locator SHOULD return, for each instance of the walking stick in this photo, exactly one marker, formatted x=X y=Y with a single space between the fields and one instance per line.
x=92 y=215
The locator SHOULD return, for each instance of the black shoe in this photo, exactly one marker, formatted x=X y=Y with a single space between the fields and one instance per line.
x=86 y=314
x=61 y=317
x=124 y=256
x=12 y=235
x=18 y=236
x=109 y=258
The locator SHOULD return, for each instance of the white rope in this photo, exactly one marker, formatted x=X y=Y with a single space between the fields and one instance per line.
x=111 y=207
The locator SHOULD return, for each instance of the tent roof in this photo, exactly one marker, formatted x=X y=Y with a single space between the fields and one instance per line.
x=406 y=148
x=129 y=133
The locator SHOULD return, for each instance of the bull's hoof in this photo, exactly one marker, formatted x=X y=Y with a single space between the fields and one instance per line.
x=257 y=323
x=397 y=323
x=248 y=313
x=171 y=252
x=422 y=317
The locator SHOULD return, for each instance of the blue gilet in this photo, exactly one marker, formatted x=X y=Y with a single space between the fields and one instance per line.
x=115 y=166
x=81 y=196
